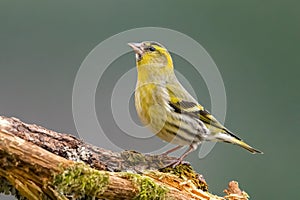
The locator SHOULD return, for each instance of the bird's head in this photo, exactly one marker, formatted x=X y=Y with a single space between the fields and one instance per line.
x=151 y=55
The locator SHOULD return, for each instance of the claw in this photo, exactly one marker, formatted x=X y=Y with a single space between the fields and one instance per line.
x=178 y=162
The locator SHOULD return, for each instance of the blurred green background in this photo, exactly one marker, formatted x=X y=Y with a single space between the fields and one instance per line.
x=255 y=45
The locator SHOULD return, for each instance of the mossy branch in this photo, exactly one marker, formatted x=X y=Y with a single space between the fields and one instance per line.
x=37 y=163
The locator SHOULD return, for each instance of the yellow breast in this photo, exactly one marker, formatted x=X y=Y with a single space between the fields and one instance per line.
x=143 y=101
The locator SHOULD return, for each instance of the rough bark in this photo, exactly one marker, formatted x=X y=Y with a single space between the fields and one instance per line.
x=37 y=163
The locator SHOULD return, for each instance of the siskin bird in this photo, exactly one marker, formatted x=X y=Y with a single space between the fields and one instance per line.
x=168 y=109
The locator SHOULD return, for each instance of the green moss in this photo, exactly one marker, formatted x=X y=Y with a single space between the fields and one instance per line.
x=185 y=171
x=148 y=189
x=81 y=182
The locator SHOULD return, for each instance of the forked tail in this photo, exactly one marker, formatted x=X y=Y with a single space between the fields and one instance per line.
x=246 y=146
x=231 y=138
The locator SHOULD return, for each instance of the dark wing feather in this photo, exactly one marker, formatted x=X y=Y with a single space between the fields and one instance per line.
x=195 y=110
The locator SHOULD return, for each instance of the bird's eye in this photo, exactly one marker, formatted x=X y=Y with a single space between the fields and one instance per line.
x=151 y=49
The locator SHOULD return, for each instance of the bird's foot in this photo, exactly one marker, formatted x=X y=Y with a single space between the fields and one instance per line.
x=164 y=154
x=178 y=162
x=171 y=150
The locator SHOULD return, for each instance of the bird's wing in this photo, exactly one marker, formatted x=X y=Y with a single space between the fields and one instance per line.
x=184 y=103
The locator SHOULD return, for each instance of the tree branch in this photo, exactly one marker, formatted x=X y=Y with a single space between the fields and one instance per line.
x=37 y=163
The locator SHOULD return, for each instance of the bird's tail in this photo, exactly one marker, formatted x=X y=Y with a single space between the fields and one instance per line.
x=246 y=146
x=230 y=138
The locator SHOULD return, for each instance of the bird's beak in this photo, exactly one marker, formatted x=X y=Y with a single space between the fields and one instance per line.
x=137 y=48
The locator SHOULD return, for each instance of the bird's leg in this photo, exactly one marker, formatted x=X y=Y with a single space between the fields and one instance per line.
x=191 y=148
x=171 y=150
